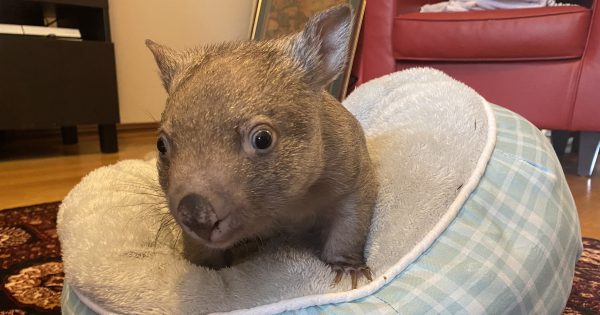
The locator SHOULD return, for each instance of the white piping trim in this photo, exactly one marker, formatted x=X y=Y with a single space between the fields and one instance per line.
x=389 y=275
x=90 y=304
x=413 y=254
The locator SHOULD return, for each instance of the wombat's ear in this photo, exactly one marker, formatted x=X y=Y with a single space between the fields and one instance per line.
x=167 y=60
x=322 y=47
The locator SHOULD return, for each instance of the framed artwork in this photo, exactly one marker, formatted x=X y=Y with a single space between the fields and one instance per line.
x=276 y=18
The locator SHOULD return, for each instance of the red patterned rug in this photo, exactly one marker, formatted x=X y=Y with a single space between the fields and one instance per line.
x=31 y=269
x=30 y=266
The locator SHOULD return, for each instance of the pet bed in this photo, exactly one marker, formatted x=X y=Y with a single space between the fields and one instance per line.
x=473 y=216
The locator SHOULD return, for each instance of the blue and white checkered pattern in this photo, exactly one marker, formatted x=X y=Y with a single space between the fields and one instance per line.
x=71 y=304
x=511 y=250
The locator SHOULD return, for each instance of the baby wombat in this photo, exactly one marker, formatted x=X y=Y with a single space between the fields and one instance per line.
x=252 y=146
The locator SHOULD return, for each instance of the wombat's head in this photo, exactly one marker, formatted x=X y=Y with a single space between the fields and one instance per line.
x=240 y=138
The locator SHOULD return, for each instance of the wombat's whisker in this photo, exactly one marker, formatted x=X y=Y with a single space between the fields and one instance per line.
x=149 y=185
x=143 y=178
x=159 y=205
x=166 y=224
x=156 y=195
x=137 y=186
x=154 y=214
x=177 y=239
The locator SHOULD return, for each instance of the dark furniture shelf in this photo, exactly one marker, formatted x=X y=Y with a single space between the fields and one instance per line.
x=48 y=82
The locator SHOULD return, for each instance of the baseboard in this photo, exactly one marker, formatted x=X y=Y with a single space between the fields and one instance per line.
x=87 y=129
x=82 y=129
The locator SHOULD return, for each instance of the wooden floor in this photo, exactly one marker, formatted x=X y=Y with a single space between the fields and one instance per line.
x=34 y=171
x=43 y=170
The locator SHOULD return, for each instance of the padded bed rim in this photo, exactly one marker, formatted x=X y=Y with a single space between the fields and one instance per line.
x=390 y=274
x=89 y=303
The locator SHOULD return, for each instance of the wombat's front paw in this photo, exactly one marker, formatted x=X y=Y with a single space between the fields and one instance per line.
x=353 y=271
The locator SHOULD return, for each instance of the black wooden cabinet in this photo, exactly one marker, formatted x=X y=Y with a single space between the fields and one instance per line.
x=48 y=82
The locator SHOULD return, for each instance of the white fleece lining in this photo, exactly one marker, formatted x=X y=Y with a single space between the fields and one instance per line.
x=391 y=273
x=421 y=79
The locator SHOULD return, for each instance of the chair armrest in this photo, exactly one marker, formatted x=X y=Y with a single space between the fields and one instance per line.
x=549 y=33
x=375 y=50
x=587 y=104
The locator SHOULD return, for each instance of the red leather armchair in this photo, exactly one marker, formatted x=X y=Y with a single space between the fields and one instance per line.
x=542 y=63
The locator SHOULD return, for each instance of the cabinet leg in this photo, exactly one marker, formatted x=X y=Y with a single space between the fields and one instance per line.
x=108 y=138
x=69 y=134
x=559 y=139
x=575 y=145
x=589 y=146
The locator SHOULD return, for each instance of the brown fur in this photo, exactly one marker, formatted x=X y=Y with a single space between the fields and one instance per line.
x=317 y=182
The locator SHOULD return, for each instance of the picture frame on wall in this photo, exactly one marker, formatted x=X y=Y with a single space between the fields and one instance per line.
x=276 y=18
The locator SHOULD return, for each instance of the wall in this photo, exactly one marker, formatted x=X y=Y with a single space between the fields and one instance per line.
x=175 y=23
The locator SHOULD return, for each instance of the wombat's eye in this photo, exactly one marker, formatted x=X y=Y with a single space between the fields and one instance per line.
x=262 y=138
x=162 y=144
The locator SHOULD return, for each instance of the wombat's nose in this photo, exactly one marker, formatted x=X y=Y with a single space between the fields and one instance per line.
x=197 y=215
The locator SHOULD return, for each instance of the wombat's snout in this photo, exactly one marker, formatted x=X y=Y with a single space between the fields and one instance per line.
x=197 y=216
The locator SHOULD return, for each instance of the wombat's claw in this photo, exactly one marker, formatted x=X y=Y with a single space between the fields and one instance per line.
x=354 y=273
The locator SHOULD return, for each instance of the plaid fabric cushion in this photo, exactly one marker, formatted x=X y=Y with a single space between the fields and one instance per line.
x=511 y=250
